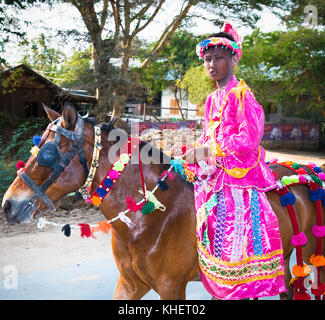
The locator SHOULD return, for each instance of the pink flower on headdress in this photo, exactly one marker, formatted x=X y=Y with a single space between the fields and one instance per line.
x=227 y=27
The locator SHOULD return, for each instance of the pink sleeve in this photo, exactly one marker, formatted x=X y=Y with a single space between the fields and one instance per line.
x=243 y=129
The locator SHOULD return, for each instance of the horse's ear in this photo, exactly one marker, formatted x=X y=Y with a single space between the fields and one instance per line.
x=51 y=114
x=70 y=116
x=113 y=121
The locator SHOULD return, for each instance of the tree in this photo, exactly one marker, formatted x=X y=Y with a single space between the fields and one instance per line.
x=10 y=27
x=40 y=56
x=76 y=72
x=129 y=18
x=173 y=62
x=280 y=67
x=290 y=62
x=198 y=85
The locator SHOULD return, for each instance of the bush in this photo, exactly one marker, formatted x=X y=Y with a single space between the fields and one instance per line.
x=17 y=148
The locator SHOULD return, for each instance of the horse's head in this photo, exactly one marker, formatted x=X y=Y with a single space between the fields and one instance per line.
x=60 y=166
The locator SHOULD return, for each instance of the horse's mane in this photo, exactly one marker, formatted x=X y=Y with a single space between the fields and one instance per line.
x=107 y=127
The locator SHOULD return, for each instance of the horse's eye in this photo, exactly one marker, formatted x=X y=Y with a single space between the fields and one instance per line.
x=49 y=155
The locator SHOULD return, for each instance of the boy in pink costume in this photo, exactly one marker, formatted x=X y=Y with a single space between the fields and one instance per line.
x=239 y=244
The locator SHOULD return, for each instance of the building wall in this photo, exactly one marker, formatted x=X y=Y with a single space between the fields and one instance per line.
x=168 y=101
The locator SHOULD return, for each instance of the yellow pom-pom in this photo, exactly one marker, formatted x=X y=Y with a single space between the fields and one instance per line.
x=96 y=201
x=317 y=261
x=124 y=158
x=118 y=166
x=34 y=151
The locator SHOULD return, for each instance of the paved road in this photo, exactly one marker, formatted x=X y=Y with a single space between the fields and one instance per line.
x=51 y=266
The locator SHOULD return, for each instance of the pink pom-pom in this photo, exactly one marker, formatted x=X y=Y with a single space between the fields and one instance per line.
x=302 y=178
x=321 y=175
x=20 y=165
x=113 y=174
x=311 y=164
x=169 y=174
x=89 y=201
x=273 y=161
x=299 y=239
x=318 y=231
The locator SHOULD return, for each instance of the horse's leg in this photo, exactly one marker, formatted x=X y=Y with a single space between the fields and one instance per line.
x=133 y=289
x=172 y=290
x=287 y=277
x=129 y=286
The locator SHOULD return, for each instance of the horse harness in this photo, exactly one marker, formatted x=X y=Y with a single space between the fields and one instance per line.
x=50 y=156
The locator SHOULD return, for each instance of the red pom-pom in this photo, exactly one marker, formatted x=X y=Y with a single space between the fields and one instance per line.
x=132 y=205
x=184 y=149
x=20 y=165
x=301 y=171
x=85 y=230
x=301 y=296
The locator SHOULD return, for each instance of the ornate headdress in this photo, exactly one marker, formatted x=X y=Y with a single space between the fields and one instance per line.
x=234 y=46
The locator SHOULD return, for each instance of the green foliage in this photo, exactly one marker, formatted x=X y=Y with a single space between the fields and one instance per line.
x=198 y=84
x=17 y=148
x=40 y=56
x=288 y=64
x=280 y=67
x=171 y=65
x=76 y=72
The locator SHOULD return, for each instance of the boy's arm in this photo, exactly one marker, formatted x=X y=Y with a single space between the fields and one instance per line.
x=244 y=126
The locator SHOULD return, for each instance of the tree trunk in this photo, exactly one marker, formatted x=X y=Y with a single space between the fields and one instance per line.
x=167 y=34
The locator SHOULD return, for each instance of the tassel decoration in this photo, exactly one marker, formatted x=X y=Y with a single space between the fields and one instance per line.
x=66 y=230
x=20 y=165
x=169 y=175
x=37 y=140
x=102 y=226
x=132 y=205
x=85 y=230
x=163 y=185
x=148 y=207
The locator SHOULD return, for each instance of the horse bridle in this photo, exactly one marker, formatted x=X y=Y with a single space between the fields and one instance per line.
x=50 y=155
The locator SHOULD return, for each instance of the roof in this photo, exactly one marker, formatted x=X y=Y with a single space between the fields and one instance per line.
x=63 y=93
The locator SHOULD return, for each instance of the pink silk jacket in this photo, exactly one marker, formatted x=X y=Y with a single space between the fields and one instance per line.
x=239 y=135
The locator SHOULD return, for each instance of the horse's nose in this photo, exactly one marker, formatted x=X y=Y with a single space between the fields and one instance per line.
x=7 y=207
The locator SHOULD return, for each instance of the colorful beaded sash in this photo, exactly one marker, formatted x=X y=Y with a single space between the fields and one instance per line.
x=114 y=173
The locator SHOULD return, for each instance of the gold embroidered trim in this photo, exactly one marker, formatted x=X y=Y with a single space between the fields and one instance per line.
x=239 y=263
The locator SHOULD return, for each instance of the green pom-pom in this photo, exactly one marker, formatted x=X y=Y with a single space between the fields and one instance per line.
x=148 y=207
x=286 y=180
x=317 y=180
x=296 y=166
x=118 y=166
x=294 y=179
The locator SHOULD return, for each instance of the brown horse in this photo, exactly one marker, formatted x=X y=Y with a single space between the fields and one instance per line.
x=159 y=253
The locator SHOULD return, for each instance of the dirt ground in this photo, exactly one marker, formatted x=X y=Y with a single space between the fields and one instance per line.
x=77 y=212
x=31 y=249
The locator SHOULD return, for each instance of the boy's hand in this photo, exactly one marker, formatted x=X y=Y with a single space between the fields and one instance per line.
x=195 y=155
x=179 y=148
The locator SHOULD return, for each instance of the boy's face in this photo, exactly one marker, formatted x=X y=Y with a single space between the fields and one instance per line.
x=219 y=63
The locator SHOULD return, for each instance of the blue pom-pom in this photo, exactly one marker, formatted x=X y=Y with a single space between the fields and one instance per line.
x=288 y=198
x=101 y=192
x=37 y=140
x=108 y=183
x=319 y=194
x=163 y=185
x=317 y=169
